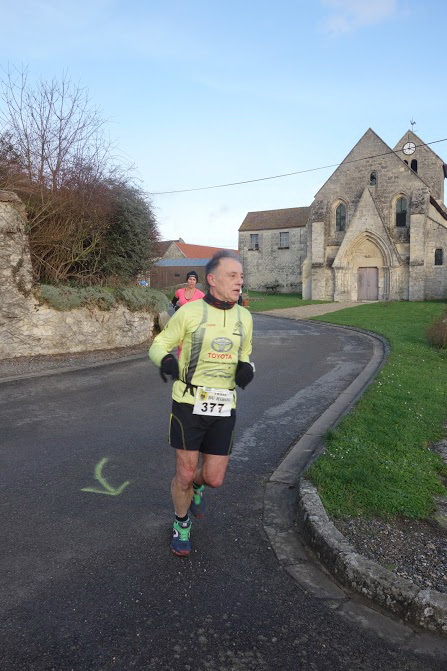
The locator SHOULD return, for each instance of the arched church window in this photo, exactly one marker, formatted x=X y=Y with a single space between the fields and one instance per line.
x=373 y=178
x=439 y=257
x=414 y=165
x=340 y=218
x=401 y=211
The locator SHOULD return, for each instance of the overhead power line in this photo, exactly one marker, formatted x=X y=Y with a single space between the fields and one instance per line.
x=287 y=174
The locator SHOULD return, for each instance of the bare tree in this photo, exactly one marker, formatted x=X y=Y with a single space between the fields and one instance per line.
x=55 y=153
x=53 y=126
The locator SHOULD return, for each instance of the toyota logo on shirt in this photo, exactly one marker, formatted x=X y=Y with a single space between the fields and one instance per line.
x=222 y=344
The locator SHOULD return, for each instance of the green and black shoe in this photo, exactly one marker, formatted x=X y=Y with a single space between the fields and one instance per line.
x=180 y=544
x=197 y=506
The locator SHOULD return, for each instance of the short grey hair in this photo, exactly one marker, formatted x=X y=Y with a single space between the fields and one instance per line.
x=216 y=259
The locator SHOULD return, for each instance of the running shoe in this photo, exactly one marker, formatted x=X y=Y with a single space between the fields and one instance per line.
x=180 y=544
x=197 y=506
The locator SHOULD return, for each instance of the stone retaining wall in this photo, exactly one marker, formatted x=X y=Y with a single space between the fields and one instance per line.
x=426 y=608
x=28 y=328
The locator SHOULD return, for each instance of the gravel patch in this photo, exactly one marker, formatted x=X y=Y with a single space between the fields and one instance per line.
x=411 y=549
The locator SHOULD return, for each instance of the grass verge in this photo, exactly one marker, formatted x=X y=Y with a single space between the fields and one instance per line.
x=377 y=461
x=261 y=301
x=105 y=298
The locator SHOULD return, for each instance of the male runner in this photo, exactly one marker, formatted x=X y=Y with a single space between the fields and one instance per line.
x=216 y=333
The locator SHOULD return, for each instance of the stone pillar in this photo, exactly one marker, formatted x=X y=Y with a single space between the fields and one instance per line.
x=16 y=278
x=318 y=276
x=416 y=289
x=307 y=279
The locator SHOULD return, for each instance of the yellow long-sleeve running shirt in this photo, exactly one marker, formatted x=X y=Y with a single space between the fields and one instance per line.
x=213 y=341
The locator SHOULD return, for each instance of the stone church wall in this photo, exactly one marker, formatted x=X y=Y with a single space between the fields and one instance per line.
x=270 y=265
x=412 y=275
x=436 y=238
x=28 y=328
x=348 y=185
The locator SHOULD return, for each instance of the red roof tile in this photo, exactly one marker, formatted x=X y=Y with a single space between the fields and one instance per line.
x=199 y=251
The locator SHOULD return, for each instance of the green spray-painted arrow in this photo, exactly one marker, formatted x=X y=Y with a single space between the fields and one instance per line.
x=108 y=489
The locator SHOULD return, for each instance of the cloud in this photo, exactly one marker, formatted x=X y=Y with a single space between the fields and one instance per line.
x=350 y=15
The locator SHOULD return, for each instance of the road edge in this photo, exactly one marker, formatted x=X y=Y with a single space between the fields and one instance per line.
x=326 y=565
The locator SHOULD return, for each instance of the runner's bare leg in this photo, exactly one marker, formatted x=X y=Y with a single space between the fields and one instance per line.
x=213 y=469
x=181 y=487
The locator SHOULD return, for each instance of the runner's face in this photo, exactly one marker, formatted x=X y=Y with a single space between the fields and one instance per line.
x=226 y=280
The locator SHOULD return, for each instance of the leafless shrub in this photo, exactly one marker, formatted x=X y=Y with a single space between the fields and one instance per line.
x=437 y=332
x=54 y=152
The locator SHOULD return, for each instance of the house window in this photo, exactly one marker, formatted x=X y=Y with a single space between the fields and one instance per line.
x=401 y=212
x=373 y=179
x=254 y=241
x=176 y=274
x=414 y=165
x=284 y=240
x=340 y=218
x=439 y=257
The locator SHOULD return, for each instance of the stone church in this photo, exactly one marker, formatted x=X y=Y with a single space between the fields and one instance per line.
x=377 y=230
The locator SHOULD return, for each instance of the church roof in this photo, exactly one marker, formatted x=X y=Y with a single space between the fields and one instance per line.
x=290 y=217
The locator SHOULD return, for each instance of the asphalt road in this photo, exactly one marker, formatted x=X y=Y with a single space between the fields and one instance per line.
x=87 y=579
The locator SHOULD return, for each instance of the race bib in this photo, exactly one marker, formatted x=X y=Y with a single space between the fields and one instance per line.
x=213 y=402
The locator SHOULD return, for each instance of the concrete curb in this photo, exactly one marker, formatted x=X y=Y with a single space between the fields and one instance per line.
x=423 y=607
x=292 y=505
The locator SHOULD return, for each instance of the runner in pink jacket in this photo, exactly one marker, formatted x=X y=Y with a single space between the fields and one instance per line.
x=189 y=293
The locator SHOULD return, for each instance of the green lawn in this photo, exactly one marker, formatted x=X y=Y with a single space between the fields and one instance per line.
x=377 y=461
x=261 y=301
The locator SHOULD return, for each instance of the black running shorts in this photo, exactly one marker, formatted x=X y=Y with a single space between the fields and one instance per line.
x=210 y=435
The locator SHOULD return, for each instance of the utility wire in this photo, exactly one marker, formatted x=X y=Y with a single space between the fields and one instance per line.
x=287 y=174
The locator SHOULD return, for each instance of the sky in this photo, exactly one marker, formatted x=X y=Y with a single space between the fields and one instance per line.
x=204 y=93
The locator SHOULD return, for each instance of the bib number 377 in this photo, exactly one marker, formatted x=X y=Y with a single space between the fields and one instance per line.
x=213 y=402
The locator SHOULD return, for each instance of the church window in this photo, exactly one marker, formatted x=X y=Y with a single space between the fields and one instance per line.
x=439 y=257
x=284 y=240
x=401 y=211
x=373 y=179
x=254 y=241
x=414 y=165
x=340 y=218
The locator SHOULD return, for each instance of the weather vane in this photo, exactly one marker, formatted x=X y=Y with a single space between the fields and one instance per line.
x=412 y=124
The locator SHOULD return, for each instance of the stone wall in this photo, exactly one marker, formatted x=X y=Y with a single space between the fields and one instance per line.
x=28 y=328
x=270 y=264
x=436 y=238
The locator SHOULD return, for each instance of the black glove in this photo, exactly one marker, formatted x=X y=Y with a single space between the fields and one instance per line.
x=244 y=374
x=169 y=366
